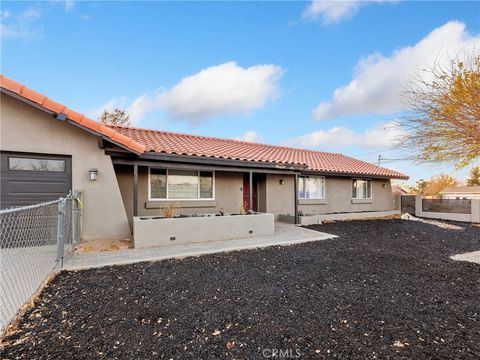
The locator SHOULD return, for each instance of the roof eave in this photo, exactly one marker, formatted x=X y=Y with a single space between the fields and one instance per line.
x=179 y=158
x=353 y=174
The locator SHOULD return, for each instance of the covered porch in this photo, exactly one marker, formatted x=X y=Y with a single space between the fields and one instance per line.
x=151 y=187
x=173 y=200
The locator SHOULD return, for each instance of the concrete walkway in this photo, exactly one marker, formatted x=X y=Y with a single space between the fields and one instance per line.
x=473 y=256
x=285 y=234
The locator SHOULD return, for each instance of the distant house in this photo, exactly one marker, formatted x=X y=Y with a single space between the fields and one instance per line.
x=398 y=190
x=461 y=192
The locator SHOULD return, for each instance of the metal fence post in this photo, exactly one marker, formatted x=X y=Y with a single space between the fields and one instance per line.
x=61 y=232
x=74 y=222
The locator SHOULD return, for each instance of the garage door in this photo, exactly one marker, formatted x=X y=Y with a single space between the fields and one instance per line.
x=32 y=178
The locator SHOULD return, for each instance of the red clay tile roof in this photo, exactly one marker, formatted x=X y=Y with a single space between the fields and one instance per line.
x=76 y=117
x=183 y=144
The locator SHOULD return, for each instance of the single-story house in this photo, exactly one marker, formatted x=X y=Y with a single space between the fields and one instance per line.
x=461 y=192
x=48 y=149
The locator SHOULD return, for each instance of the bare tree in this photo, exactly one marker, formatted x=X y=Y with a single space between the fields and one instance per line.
x=443 y=121
x=115 y=117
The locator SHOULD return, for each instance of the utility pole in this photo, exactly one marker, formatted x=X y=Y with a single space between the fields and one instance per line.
x=379 y=159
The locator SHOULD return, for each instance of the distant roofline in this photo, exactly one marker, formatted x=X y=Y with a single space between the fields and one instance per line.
x=462 y=189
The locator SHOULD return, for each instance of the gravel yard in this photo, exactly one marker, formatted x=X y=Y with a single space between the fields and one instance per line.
x=384 y=289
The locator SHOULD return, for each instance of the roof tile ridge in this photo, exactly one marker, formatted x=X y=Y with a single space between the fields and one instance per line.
x=224 y=139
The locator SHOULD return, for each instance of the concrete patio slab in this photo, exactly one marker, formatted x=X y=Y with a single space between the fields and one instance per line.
x=285 y=234
x=473 y=256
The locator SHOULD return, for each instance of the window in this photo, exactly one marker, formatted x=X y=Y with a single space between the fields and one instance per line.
x=158 y=183
x=31 y=164
x=311 y=187
x=181 y=184
x=362 y=189
x=206 y=185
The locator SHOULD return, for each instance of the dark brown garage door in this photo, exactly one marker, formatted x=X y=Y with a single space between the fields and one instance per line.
x=33 y=178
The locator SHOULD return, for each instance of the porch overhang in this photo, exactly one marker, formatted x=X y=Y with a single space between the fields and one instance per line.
x=162 y=160
x=208 y=163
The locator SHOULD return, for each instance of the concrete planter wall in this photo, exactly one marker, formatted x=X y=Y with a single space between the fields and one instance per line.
x=317 y=219
x=155 y=231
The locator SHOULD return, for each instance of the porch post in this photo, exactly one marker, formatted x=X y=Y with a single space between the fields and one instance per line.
x=135 y=190
x=295 y=189
x=250 y=196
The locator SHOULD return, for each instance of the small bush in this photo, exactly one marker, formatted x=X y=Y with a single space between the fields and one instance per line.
x=169 y=211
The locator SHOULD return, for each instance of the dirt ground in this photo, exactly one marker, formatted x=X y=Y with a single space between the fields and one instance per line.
x=384 y=289
x=103 y=245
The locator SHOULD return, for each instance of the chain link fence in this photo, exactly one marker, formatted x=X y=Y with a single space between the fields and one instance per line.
x=33 y=241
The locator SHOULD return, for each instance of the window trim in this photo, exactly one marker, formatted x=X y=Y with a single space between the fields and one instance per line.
x=313 y=176
x=369 y=181
x=175 y=200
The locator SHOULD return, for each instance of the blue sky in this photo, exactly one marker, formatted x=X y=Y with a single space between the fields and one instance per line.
x=325 y=76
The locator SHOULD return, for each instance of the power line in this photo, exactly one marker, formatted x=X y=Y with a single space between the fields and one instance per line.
x=384 y=149
x=380 y=159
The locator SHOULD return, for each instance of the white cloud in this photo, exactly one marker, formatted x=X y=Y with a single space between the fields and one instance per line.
x=250 y=136
x=379 y=81
x=224 y=89
x=384 y=135
x=329 y=12
x=5 y=14
x=19 y=26
x=69 y=5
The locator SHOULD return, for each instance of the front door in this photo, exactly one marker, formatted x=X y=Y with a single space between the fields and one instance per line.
x=246 y=192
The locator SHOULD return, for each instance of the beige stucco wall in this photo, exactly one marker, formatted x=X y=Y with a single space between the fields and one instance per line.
x=228 y=194
x=262 y=193
x=280 y=198
x=27 y=129
x=339 y=198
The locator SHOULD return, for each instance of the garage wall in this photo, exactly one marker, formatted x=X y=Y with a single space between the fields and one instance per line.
x=228 y=194
x=24 y=128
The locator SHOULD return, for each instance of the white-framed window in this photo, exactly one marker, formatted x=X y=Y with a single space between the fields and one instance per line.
x=311 y=187
x=175 y=184
x=362 y=189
